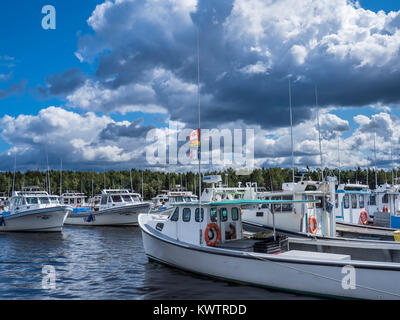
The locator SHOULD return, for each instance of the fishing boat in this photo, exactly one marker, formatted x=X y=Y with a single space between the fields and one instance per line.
x=162 y=203
x=76 y=200
x=207 y=238
x=34 y=210
x=4 y=203
x=118 y=207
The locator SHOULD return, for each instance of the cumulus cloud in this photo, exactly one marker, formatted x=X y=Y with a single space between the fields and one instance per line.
x=77 y=139
x=247 y=49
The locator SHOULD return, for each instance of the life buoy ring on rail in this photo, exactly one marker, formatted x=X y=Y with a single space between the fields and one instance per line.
x=364 y=217
x=215 y=237
x=312 y=225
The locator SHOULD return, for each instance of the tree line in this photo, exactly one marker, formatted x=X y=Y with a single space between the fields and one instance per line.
x=152 y=182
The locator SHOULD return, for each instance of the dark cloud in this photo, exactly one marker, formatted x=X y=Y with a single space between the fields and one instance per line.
x=114 y=131
x=15 y=88
x=62 y=83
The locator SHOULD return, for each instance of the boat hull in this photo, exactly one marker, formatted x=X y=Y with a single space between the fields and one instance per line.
x=37 y=220
x=305 y=276
x=115 y=216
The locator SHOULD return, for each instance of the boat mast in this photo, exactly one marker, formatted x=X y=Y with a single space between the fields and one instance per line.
x=291 y=128
x=198 y=109
x=339 y=156
x=61 y=178
x=376 y=174
x=319 y=133
x=130 y=176
x=15 y=166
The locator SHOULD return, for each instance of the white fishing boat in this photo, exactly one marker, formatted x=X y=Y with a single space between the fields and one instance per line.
x=118 y=207
x=4 y=203
x=34 y=210
x=212 y=244
x=77 y=201
x=162 y=203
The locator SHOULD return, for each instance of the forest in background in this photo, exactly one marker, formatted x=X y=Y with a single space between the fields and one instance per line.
x=91 y=183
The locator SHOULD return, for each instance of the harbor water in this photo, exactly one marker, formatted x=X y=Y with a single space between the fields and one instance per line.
x=103 y=263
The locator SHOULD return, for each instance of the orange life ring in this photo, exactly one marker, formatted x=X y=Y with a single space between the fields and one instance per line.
x=385 y=209
x=312 y=221
x=213 y=227
x=364 y=217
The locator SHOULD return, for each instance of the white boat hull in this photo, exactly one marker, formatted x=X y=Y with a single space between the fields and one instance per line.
x=36 y=220
x=306 y=276
x=116 y=216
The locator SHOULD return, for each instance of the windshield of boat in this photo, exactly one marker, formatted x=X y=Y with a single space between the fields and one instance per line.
x=187 y=199
x=116 y=198
x=32 y=200
x=53 y=199
x=127 y=198
x=44 y=200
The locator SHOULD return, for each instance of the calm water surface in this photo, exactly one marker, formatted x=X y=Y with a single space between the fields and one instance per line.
x=103 y=263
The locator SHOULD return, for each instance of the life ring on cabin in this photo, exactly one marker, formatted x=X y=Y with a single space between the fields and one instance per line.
x=385 y=209
x=312 y=221
x=216 y=234
x=364 y=217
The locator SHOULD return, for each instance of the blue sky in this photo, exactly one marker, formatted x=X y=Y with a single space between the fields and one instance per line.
x=37 y=63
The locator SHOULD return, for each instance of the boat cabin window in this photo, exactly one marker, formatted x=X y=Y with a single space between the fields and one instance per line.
x=78 y=200
x=104 y=200
x=196 y=215
x=186 y=215
x=66 y=201
x=54 y=200
x=287 y=206
x=179 y=199
x=277 y=206
x=127 y=198
x=235 y=214
x=187 y=199
x=19 y=202
x=361 y=201
x=354 y=201
x=385 y=198
x=372 y=200
x=336 y=200
x=194 y=198
x=213 y=215
x=320 y=203
x=223 y=212
x=346 y=201
x=175 y=215
x=116 y=199
x=44 y=200
x=32 y=200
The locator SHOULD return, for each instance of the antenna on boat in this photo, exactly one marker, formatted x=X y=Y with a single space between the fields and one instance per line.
x=130 y=176
x=15 y=166
x=376 y=174
x=142 y=185
x=319 y=133
x=339 y=156
x=198 y=108
x=391 y=161
x=104 y=174
x=48 y=174
x=291 y=127
x=61 y=178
